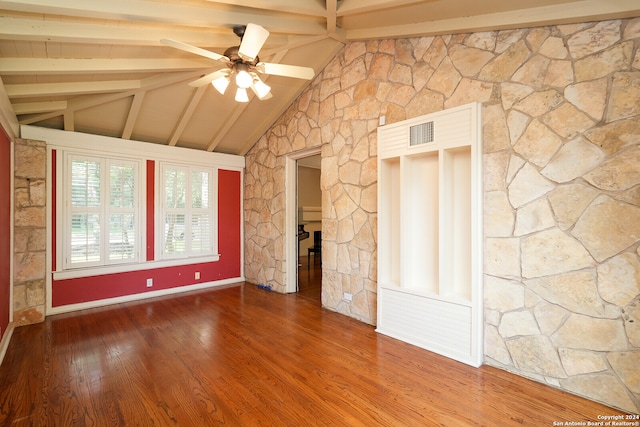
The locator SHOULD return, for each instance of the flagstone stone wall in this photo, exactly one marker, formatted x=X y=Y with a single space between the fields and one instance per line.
x=561 y=135
x=30 y=197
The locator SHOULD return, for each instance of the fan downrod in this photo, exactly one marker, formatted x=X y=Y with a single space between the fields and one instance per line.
x=239 y=30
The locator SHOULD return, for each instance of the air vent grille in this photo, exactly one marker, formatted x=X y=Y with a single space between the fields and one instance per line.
x=421 y=134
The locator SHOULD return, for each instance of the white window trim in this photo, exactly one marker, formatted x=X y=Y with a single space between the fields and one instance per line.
x=160 y=213
x=97 y=145
x=65 y=211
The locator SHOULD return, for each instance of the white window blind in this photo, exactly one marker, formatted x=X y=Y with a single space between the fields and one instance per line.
x=101 y=211
x=188 y=211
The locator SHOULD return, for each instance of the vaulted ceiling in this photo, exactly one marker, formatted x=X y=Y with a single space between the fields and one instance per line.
x=98 y=66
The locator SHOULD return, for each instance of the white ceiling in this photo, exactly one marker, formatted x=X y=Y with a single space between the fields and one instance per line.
x=98 y=66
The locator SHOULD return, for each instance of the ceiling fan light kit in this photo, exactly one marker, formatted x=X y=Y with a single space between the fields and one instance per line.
x=243 y=78
x=243 y=61
x=261 y=88
x=221 y=84
x=241 y=95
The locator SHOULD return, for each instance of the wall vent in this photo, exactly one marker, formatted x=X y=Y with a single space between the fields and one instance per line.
x=421 y=134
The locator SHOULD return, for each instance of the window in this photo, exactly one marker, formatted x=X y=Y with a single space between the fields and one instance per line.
x=102 y=216
x=188 y=211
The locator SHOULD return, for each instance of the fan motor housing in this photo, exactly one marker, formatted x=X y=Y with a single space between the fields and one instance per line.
x=233 y=54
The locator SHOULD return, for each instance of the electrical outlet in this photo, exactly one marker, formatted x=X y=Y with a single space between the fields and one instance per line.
x=347 y=296
x=149 y=283
x=197 y=275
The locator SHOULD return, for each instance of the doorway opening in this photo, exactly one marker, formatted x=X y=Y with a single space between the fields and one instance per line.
x=298 y=262
x=309 y=212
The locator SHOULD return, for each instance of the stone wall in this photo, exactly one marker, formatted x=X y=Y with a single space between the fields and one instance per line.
x=561 y=134
x=29 y=232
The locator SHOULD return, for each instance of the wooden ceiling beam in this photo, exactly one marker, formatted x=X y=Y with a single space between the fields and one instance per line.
x=71 y=31
x=186 y=115
x=579 y=11
x=22 y=66
x=351 y=7
x=40 y=107
x=163 y=12
x=88 y=102
x=127 y=35
x=71 y=88
x=302 y=7
x=69 y=121
x=8 y=118
x=132 y=117
x=332 y=18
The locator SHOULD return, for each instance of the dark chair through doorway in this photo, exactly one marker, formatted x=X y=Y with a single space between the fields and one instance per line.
x=316 y=248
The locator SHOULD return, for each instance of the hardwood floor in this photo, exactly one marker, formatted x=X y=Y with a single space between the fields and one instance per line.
x=310 y=279
x=243 y=356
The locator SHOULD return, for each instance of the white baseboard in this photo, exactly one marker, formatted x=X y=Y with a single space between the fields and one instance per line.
x=4 y=344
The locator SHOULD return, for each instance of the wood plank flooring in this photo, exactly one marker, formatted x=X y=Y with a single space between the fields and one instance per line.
x=243 y=356
x=310 y=279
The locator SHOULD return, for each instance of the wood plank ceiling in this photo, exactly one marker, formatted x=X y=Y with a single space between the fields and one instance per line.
x=99 y=67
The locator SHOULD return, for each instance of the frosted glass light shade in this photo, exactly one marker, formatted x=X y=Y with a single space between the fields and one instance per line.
x=221 y=84
x=243 y=79
x=261 y=88
x=241 y=95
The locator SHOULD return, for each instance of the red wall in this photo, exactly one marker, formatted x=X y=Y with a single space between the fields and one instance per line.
x=72 y=291
x=5 y=230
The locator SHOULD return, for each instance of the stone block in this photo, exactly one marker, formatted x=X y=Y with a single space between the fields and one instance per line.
x=512 y=93
x=527 y=186
x=494 y=346
x=624 y=97
x=625 y=364
x=602 y=64
x=569 y=201
x=590 y=97
x=30 y=159
x=530 y=74
x=539 y=102
x=29 y=266
x=576 y=292
x=619 y=279
x=502 y=295
x=495 y=133
x=536 y=354
x=568 y=121
x=612 y=137
x=549 y=317
x=28 y=316
x=608 y=227
x=502 y=67
x=573 y=160
x=532 y=217
x=579 y=362
x=552 y=252
x=518 y=323
x=469 y=60
x=620 y=172
x=495 y=170
x=631 y=319
x=601 y=387
x=594 y=39
x=498 y=215
x=589 y=333
x=554 y=48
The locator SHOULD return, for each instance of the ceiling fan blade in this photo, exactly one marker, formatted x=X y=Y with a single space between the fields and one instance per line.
x=252 y=41
x=192 y=49
x=208 y=78
x=306 y=73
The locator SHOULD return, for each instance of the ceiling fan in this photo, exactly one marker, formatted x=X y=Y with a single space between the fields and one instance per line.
x=243 y=63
